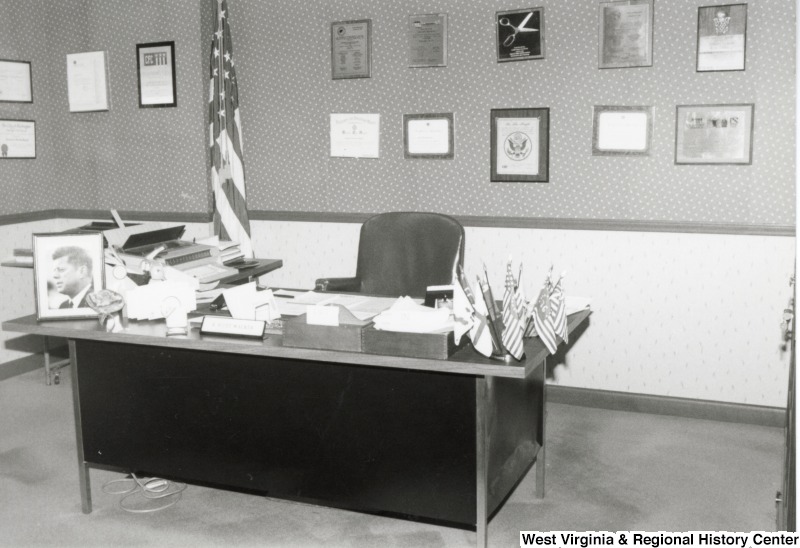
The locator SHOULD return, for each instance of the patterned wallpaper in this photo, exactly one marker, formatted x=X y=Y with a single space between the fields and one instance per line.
x=154 y=159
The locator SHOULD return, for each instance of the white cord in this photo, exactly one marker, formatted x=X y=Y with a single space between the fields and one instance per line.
x=152 y=489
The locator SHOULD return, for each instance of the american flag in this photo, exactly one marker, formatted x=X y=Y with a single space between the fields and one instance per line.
x=543 y=319
x=225 y=133
x=512 y=334
x=558 y=308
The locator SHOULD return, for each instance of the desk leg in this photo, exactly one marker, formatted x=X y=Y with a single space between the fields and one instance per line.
x=83 y=468
x=540 y=457
x=481 y=462
x=50 y=367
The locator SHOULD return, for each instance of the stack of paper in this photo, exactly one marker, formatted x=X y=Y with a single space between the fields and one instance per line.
x=409 y=317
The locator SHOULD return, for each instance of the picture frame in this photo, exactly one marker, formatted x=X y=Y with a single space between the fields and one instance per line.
x=66 y=268
x=355 y=135
x=520 y=34
x=721 y=38
x=427 y=40
x=17 y=139
x=87 y=81
x=15 y=81
x=429 y=136
x=714 y=134
x=520 y=145
x=621 y=130
x=155 y=71
x=351 y=49
x=625 y=38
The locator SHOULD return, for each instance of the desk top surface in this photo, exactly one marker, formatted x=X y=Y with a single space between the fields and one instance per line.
x=153 y=333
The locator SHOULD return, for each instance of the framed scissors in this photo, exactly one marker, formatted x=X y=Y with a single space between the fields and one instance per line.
x=505 y=22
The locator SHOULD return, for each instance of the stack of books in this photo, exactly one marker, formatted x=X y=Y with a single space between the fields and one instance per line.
x=230 y=252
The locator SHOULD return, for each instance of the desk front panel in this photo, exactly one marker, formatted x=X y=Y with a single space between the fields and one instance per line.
x=379 y=440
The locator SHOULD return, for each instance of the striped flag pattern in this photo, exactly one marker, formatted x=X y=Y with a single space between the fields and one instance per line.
x=559 y=308
x=543 y=319
x=231 y=221
x=512 y=334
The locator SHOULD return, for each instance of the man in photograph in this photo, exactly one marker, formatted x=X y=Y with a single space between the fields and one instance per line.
x=72 y=275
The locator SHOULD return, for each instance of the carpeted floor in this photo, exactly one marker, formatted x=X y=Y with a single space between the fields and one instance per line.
x=606 y=470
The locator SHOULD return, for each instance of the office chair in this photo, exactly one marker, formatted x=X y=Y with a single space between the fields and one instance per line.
x=402 y=253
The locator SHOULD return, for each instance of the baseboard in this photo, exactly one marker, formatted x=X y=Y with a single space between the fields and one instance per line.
x=21 y=366
x=664 y=405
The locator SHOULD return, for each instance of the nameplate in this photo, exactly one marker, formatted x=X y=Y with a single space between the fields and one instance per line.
x=232 y=327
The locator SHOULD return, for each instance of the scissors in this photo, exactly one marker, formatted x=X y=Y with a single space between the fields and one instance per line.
x=515 y=30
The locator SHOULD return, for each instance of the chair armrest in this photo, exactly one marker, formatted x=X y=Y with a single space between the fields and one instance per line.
x=338 y=284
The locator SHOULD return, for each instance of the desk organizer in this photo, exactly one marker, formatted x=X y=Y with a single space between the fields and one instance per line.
x=297 y=333
x=437 y=346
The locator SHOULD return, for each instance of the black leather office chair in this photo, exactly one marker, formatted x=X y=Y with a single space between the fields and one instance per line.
x=403 y=253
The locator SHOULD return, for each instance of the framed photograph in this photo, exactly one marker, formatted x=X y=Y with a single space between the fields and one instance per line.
x=427 y=40
x=520 y=145
x=155 y=65
x=714 y=134
x=626 y=34
x=17 y=139
x=87 y=81
x=15 y=82
x=66 y=268
x=429 y=136
x=520 y=34
x=622 y=131
x=721 y=37
x=351 y=49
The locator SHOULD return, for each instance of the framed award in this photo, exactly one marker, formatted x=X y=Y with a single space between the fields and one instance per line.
x=520 y=145
x=351 y=49
x=714 y=134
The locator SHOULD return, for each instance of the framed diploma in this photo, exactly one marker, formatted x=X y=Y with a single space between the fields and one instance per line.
x=15 y=82
x=626 y=34
x=622 y=131
x=351 y=49
x=721 y=37
x=155 y=65
x=520 y=34
x=520 y=145
x=428 y=136
x=427 y=40
x=714 y=134
x=17 y=139
x=355 y=135
x=87 y=81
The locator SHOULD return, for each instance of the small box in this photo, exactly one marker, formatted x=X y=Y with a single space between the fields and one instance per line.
x=297 y=333
x=437 y=346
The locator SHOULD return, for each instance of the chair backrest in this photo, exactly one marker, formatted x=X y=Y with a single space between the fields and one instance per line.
x=402 y=253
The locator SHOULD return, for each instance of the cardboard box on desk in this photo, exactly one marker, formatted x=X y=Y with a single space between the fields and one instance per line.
x=438 y=346
x=298 y=333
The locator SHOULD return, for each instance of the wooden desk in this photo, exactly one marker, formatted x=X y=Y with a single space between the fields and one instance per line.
x=250 y=274
x=441 y=441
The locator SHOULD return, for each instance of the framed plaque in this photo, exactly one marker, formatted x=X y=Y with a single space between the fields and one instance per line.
x=427 y=40
x=15 y=82
x=622 y=131
x=155 y=65
x=714 y=134
x=428 y=136
x=721 y=37
x=17 y=139
x=520 y=34
x=626 y=34
x=355 y=135
x=87 y=81
x=520 y=145
x=351 y=49
x=66 y=268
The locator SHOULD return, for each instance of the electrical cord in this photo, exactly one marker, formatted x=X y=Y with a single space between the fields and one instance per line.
x=145 y=488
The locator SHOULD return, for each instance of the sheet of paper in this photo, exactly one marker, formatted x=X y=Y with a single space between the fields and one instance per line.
x=355 y=135
x=576 y=304
x=146 y=301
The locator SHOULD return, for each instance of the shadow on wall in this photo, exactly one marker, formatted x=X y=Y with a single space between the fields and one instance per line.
x=560 y=357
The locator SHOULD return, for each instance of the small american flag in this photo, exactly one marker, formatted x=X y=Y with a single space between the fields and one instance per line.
x=558 y=307
x=231 y=221
x=512 y=334
x=543 y=319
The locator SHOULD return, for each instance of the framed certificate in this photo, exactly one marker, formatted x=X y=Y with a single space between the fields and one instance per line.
x=520 y=34
x=520 y=145
x=721 y=37
x=17 y=139
x=626 y=34
x=155 y=65
x=428 y=136
x=15 y=82
x=87 y=81
x=355 y=135
x=427 y=40
x=714 y=134
x=622 y=131
x=351 y=49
